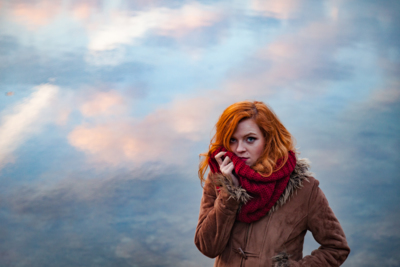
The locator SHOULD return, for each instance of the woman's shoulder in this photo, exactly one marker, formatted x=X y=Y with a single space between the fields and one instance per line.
x=310 y=186
x=311 y=182
x=301 y=177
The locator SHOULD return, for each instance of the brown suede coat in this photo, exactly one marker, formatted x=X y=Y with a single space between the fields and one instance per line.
x=276 y=239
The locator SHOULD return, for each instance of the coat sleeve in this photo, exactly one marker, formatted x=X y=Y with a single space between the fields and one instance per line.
x=327 y=231
x=216 y=219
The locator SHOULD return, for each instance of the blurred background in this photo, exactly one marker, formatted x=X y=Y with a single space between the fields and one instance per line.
x=105 y=106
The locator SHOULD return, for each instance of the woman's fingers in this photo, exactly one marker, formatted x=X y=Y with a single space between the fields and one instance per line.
x=226 y=161
x=227 y=169
x=226 y=166
x=218 y=157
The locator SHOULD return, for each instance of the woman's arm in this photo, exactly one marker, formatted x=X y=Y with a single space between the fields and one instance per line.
x=216 y=219
x=327 y=231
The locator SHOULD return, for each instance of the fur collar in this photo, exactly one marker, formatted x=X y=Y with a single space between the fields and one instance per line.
x=297 y=177
x=296 y=180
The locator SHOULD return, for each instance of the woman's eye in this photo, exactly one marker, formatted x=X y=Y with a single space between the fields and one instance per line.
x=233 y=140
x=251 y=139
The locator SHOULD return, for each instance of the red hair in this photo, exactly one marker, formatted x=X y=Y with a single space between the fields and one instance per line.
x=278 y=140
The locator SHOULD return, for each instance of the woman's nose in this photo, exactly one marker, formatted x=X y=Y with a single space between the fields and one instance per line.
x=240 y=147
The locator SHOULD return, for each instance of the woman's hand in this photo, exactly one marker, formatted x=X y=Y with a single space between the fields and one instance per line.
x=226 y=166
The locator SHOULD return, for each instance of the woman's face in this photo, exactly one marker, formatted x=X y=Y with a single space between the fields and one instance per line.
x=248 y=142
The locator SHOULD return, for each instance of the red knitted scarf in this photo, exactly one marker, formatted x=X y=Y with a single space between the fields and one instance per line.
x=265 y=191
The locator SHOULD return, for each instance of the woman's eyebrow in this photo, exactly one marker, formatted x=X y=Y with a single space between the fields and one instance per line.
x=251 y=133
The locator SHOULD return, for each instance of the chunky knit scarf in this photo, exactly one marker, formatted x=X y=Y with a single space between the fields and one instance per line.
x=265 y=191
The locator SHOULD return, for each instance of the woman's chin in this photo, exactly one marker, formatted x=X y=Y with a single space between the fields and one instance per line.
x=248 y=162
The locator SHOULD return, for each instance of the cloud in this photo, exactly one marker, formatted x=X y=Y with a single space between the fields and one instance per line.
x=370 y=259
x=23 y=119
x=164 y=135
x=301 y=55
x=148 y=223
x=189 y=17
x=382 y=98
x=284 y=9
x=386 y=93
x=82 y=10
x=126 y=29
x=317 y=52
x=373 y=239
x=305 y=61
x=108 y=142
x=36 y=13
x=387 y=228
x=102 y=103
x=300 y=62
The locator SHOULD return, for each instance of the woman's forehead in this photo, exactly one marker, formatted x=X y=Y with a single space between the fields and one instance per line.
x=246 y=127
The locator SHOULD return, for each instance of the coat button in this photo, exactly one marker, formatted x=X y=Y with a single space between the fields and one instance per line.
x=241 y=253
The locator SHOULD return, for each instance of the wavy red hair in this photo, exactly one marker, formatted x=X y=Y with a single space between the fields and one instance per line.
x=278 y=140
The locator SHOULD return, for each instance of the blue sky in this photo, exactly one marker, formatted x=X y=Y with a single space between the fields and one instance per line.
x=106 y=106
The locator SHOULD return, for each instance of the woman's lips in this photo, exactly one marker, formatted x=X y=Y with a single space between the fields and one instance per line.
x=244 y=159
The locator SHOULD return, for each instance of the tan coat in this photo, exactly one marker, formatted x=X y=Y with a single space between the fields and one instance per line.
x=276 y=239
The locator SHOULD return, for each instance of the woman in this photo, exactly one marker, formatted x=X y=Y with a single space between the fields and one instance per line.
x=259 y=199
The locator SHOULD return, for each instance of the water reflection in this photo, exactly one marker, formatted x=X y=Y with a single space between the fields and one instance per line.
x=107 y=104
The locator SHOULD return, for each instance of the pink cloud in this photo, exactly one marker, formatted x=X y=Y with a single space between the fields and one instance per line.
x=165 y=135
x=83 y=10
x=291 y=61
x=35 y=14
x=283 y=9
x=102 y=103
x=189 y=17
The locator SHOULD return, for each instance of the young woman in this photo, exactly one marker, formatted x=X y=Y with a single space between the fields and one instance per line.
x=259 y=199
